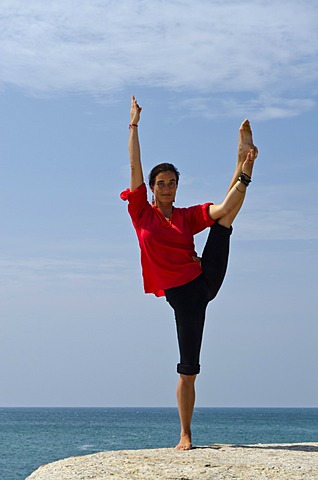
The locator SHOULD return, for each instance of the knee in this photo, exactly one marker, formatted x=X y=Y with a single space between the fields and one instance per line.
x=188 y=380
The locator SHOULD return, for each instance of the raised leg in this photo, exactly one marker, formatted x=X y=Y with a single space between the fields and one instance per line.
x=247 y=167
x=215 y=257
x=246 y=155
x=245 y=144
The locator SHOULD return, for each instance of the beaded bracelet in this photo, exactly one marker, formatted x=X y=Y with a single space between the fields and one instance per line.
x=245 y=179
x=133 y=125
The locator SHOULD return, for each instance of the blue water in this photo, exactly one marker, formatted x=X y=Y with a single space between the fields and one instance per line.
x=30 y=437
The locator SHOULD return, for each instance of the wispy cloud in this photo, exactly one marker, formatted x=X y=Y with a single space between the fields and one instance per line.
x=259 y=107
x=44 y=271
x=274 y=215
x=266 y=51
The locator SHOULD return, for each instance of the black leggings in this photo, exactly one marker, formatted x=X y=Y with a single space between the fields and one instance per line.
x=190 y=301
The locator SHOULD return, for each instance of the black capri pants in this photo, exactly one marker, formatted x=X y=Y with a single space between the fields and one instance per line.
x=189 y=301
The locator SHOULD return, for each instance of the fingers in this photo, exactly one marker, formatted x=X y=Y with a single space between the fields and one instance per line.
x=135 y=104
x=252 y=154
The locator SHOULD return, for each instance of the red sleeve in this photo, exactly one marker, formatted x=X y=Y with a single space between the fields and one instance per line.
x=137 y=201
x=131 y=194
x=199 y=218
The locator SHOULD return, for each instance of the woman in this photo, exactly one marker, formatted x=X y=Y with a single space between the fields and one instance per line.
x=170 y=265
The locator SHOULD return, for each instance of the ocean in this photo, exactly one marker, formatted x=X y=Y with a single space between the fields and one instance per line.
x=30 y=437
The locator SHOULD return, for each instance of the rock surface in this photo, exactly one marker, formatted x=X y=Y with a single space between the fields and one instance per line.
x=214 y=462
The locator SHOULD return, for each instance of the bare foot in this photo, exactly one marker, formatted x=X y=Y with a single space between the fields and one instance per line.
x=245 y=142
x=185 y=443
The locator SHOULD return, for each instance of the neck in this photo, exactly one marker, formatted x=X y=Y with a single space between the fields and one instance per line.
x=166 y=209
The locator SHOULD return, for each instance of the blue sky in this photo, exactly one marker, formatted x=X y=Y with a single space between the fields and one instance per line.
x=76 y=327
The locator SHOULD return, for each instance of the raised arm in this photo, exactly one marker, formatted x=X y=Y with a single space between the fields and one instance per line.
x=136 y=174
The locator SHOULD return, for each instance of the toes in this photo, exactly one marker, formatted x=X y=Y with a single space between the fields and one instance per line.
x=246 y=123
x=245 y=136
x=246 y=127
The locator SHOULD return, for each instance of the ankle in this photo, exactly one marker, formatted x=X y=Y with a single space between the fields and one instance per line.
x=185 y=432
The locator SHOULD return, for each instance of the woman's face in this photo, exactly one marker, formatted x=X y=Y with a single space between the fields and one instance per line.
x=165 y=187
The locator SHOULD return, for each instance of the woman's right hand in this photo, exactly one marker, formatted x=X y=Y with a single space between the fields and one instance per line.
x=136 y=174
x=135 y=110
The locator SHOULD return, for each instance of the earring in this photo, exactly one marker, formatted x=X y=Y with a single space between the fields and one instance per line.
x=153 y=199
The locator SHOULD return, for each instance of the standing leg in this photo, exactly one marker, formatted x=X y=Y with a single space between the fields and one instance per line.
x=186 y=399
x=189 y=303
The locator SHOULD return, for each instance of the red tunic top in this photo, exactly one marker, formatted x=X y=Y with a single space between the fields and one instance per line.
x=166 y=247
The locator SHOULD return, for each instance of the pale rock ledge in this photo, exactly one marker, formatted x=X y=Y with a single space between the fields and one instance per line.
x=215 y=462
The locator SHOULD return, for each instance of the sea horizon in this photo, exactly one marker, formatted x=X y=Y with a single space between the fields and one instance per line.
x=33 y=436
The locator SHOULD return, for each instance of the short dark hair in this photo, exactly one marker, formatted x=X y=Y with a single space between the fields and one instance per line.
x=162 y=167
